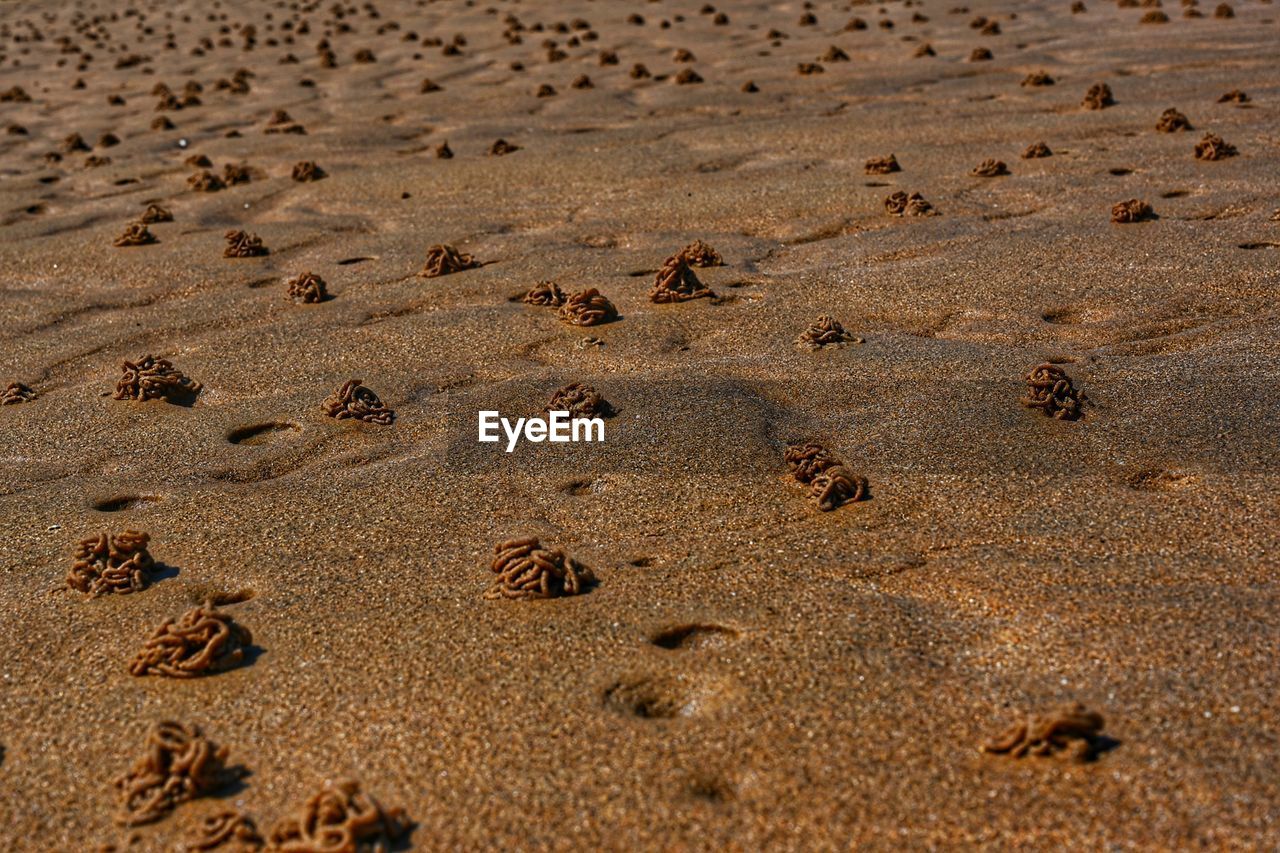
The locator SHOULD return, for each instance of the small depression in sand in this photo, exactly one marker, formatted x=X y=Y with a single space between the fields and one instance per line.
x=710 y=788
x=263 y=433
x=694 y=636
x=199 y=593
x=1061 y=316
x=664 y=697
x=581 y=487
x=1160 y=480
x=120 y=503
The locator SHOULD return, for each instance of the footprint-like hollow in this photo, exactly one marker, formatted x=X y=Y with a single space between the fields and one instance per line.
x=709 y=787
x=263 y=433
x=1061 y=316
x=694 y=635
x=652 y=697
x=578 y=487
x=119 y=503
x=1160 y=480
x=200 y=593
x=668 y=696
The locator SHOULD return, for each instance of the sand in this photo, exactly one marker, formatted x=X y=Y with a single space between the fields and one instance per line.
x=748 y=672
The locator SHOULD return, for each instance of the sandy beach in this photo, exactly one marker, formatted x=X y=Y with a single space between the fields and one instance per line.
x=213 y=216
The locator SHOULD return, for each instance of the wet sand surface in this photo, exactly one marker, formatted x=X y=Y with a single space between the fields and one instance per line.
x=748 y=672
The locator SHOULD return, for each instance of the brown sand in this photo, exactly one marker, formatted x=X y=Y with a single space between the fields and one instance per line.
x=748 y=672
